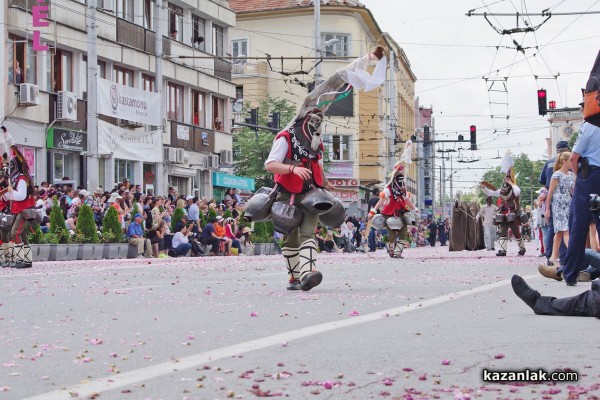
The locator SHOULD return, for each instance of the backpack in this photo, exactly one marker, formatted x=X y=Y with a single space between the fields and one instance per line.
x=591 y=107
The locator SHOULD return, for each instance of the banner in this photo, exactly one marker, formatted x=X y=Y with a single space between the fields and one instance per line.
x=129 y=145
x=124 y=102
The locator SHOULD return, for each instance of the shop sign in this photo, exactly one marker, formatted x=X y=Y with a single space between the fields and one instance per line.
x=231 y=181
x=39 y=15
x=340 y=170
x=183 y=132
x=126 y=144
x=66 y=139
x=347 y=197
x=344 y=182
x=124 y=102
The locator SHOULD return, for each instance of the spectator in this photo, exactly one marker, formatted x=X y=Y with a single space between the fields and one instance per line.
x=231 y=229
x=45 y=225
x=71 y=222
x=158 y=213
x=220 y=232
x=157 y=240
x=558 y=202
x=246 y=242
x=113 y=201
x=432 y=233
x=347 y=231
x=181 y=244
x=372 y=231
x=194 y=210
x=488 y=213
x=40 y=204
x=172 y=194
x=135 y=234
x=209 y=237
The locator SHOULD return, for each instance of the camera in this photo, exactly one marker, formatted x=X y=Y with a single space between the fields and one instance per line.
x=594 y=202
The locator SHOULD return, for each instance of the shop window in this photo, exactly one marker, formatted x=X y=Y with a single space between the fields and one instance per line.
x=148 y=82
x=21 y=61
x=338 y=147
x=175 y=102
x=62 y=166
x=217 y=37
x=175 y=22
x=199 y=28
x=218 y=113
x=340 y=47
x=198 y=110
x=123 y=169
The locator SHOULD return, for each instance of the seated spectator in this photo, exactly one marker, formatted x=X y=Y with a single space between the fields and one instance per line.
x=208 y=237
x=246 y=243
x=45 y=225
x=181 y=244
x=157 y=239
x=231 y=228
x=135 y=234
x=71 y=223
x=329 y=245
x=220 y=232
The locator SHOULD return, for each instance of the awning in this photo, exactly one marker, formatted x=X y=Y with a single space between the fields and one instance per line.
x=231 y=181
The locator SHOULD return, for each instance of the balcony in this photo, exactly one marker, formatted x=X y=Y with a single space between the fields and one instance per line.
x=139 y=38
x=223 y=69
x=193 y=138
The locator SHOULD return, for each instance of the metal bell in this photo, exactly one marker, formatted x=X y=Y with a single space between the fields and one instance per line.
x=285 y=218
x=318 y=201
x=394 y=223
x=258 y=208
x=334 y=217
x=410 y=218
x=378 y=222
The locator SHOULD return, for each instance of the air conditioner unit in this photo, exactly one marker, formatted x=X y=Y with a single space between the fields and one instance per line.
x=213 y=162
x=29 y=94
x=182 y=156
x=66 y=106
x=106 y=5
x=170 y=154
x=226 y=157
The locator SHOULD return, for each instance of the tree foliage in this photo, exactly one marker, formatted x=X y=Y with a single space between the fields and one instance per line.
x=86 y=225
x=177 y=215
x=252 y=148
x=58 y=229
x=111 y=227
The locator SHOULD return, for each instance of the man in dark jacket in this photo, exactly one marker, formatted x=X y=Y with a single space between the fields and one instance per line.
x=432 y=233
x=373 y=232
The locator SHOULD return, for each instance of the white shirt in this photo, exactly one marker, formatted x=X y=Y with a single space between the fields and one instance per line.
x=19 y=193
x=42 y=209
x=179 y=239
x=496 y=193
x=488 y=213
x=279 y=151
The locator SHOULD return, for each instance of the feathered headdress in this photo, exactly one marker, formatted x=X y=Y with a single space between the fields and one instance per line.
x=507 y=166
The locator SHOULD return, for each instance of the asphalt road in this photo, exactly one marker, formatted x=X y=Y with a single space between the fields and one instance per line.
x=419 y=328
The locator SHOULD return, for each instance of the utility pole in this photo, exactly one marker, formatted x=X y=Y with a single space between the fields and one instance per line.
x=441 y=200
x=92 y=175
x=443 y=183
x=391 y=122
x=158 y=88
x=318 y=76
x=451 y=178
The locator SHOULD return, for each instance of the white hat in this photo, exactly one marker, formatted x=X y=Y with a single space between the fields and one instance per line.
x=114 y=197
x=84 y=192
x=188 y=197
x=219 y=218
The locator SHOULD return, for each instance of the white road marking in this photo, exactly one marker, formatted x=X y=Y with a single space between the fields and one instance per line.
x=155 y=371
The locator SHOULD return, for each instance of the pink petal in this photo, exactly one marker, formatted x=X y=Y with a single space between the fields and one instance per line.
x=388 y=382
x=353 y=313
x=327 y=384
x=253 y=314
x=445 y=362
x=499 y=356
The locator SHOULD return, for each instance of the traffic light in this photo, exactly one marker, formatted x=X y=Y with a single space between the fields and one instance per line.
x=253 y=119
x=473 y=130
x=542 y=102
x=426 y=135
x=273 y=121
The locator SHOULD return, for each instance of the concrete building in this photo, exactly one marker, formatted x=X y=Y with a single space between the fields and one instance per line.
x=361 y=132
x=426 y=160
x=197 y=92
x=563 y=124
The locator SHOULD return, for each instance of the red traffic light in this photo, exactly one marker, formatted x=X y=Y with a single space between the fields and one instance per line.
x=473 y=128
x=542 y=93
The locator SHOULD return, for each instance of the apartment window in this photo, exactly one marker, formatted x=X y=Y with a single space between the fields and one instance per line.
x=124 y=9
x=175 y=22
x=198 y=110
x=199 y=28
x=123 y=76
x=148 y=82
x=63 y=70
x=149 y=7
x=175 y=102
x=239 y=50
x=339 y=47
x=21 y=61
x=218 y=113
x=123 y=169
x=217 y=37
x=62 y=165
x=338 y=147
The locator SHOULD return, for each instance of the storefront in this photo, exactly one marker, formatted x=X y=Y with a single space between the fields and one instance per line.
x=223 y=181
x=29 y=138
x=64 y=154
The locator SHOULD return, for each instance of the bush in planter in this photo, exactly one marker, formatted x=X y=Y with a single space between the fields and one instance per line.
x=85 y=231
x=212 y=214
x=177 y=215
x=57 y=226
x=202 y=219
x=111 y=227
x=36 y=237
x=227 y=214
x=260 y=229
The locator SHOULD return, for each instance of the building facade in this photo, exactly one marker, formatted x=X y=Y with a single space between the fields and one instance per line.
x=358 y=132
x=563 y=124
x=44 y=98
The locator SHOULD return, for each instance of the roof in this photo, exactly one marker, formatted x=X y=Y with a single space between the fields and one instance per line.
x=249 y=6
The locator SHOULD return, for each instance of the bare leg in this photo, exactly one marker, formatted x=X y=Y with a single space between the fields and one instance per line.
x=593 y=237
x=558 y=237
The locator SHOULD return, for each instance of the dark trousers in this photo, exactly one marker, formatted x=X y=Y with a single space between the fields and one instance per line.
x=583 y=305
x=182 y=249
x=432 y=240
x=579 y=222
x=371 y=239
x=592 y=259
x=214 y=242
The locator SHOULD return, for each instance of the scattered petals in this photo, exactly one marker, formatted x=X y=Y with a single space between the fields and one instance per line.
x=445 y=362
x=253 y=314
x=499 y=356
x=353 y=313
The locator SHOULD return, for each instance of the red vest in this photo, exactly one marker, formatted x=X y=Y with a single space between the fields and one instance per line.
x=394 y=206
x=291 y=182
x=18 y=206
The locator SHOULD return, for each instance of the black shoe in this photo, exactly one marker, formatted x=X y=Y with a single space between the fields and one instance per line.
x=571 y=283
x=23 y=265
x=493 y=249
x=6 y=264
x=294 y=285
x=310 y=280
x=501 y=253
x=525 y=293
x=521 y=252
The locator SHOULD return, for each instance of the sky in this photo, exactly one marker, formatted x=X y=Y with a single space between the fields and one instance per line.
x=450 y=53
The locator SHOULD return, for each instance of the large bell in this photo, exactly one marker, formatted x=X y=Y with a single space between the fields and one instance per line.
x=334 y=217
x=394 y=223
x=378 y=222
x=318 y=201
x=410 y=218
x=285 y=218
x=258 y=208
